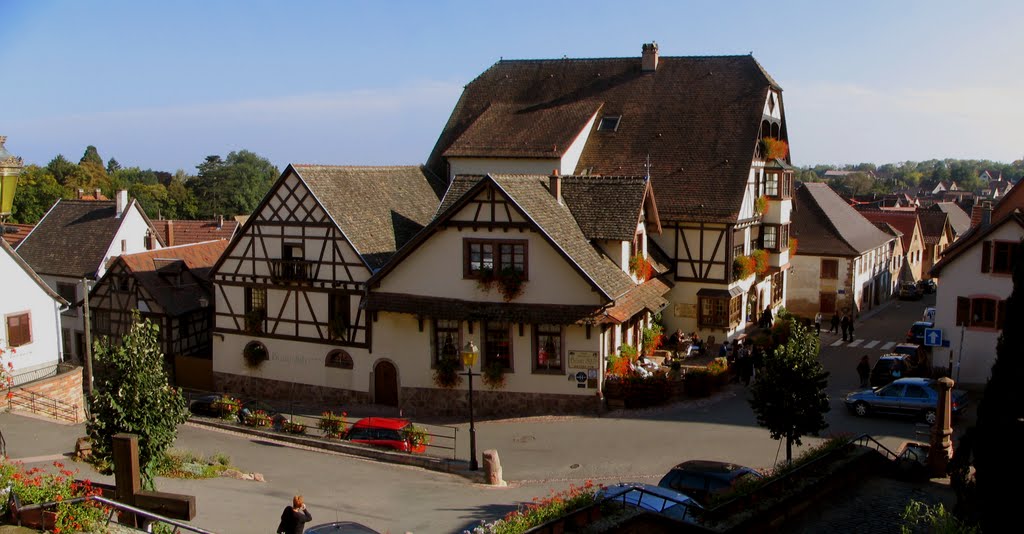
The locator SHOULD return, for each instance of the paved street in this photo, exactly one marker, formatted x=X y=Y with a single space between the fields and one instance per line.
x=538 y=454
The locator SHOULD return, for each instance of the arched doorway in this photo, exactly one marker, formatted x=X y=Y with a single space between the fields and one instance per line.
x=385 y=383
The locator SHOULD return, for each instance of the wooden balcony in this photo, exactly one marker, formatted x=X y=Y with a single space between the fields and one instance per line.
x=291 y=271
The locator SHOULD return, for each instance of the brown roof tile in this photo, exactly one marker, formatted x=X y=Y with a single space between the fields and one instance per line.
x=158 y=271
x=72 y=238
x=378 y=208
x=932 y=224
x=905 y=222
x=505 y=130
x=185 y=232
x=14 y=234
x=697 y=118
x=958 y=218
x=825 y=224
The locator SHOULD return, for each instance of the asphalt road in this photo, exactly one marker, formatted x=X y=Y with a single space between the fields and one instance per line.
x=538 y=454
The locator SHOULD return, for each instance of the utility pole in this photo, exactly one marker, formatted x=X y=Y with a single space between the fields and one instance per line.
x=88 y=340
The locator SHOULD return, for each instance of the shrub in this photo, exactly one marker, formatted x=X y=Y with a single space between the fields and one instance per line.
x=652 y=338
x=760 y=204
x=743 y=266
x=543 y=510
x=793 y=242
x=333 y=426
x=34 y=486
x=416 y=435
x=228 y=407
x=760 y=257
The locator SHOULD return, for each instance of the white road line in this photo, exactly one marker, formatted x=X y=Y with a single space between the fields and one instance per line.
x=855 y=343
x=871 y=344
x=837 y=342
x=888 y=345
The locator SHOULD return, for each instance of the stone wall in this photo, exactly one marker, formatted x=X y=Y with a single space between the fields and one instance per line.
x=65 y=388
x=279 y=390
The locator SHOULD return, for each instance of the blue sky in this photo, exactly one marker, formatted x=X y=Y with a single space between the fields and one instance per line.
x=163 y=84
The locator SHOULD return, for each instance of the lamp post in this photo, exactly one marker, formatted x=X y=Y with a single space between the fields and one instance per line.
x=469 y=354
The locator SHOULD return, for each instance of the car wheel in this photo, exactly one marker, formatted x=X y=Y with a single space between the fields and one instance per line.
x=930 y=417
x=860 y=409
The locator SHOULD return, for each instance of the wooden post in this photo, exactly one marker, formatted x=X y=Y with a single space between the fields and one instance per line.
x=87 y=357
x=127 y=477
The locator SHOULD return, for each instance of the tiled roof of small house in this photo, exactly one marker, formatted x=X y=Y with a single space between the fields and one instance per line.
x=605 y=207
x=958 y=218
x=176 y=277
x=975 y=234
x=185 y=232
x=15 y=233
x=825 y=224
x=932 y=224
x=695 y=119
x=378 y=208
x=905 y=222
x=72 y=238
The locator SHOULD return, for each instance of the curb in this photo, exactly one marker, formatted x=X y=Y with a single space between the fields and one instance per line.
x=442 y=465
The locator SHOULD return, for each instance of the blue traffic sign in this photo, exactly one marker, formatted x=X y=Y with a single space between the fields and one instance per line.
x=933 y=337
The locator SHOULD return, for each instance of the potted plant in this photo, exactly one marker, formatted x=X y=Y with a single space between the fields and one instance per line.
x=291 y=427
x=760 y=257
x=640 y=267
x=254 y=320
x=258 y=418
x=510 y=283
x=446 y=372
x=743 y=266
x=417 y=436
x=792 y=246
x=493 y=375
x=228 y=407
x=333 y=426
x=486 y=280
x=774 y=148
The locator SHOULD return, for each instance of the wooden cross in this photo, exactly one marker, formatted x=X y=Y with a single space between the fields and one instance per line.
x=128 y=486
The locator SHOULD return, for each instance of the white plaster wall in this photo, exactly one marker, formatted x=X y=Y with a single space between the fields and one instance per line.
x=778 y=211
x=806 y=283
x=435 y=269
x=397 y=338
x=571 y=158
x=505 y=166
x=20 y=294
x=777 y=112
x=963 y=278
x=293 y=361
x=133 y=231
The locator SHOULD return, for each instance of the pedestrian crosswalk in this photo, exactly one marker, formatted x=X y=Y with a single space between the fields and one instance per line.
x=874 y=343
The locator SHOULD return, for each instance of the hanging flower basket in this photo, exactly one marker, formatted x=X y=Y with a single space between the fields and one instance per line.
x=760 y=257
x=254 y=354
x=493 y=375
x=510 y=283
x=640 y=267
x=743 y=266
x=446 y=373
x=774 y=148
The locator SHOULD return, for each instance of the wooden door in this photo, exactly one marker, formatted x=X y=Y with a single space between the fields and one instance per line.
x=385 y=384
x=828 y=302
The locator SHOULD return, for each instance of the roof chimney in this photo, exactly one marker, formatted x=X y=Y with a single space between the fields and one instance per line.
x=170 y=232
x=555 y=186
x=649 y=59
x=81 y=193
x=981 y=213
x=220 y=222
x=96 y=193
x=122 y=201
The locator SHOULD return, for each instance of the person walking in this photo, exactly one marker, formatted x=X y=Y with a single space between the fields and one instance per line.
x=864 y=370
x=817 y=323
x=849 y=326
x=294 y=517
x=835 y=323
x=844 y=324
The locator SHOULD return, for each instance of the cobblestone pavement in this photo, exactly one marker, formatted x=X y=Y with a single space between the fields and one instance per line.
x=874 y=506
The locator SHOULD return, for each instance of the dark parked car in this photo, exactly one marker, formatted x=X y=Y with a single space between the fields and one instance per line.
x=909 y=291
x=656 y=499
x=384 y=432
x=890 y=367
x=926 y=287
x=916 y=397
x=916 y=332
x=701 y=479
x=341 y=527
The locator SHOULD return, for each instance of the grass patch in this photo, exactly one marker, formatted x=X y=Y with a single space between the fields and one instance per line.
x=186 y=464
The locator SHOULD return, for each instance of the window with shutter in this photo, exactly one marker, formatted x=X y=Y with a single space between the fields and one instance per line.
x=963 y=311
x=19 y=329
x=986 y=256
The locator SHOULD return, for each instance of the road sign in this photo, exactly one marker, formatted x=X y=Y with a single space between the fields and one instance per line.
x=581 y=377
x=933 y=337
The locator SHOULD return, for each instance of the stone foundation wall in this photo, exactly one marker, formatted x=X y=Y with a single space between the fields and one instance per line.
x=65 y=387
x=278 y=390
x=493 y=403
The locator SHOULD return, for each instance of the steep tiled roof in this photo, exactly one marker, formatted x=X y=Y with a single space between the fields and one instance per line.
x=605 y=207
x=158 y=270
x=975 y=234
x=72 y=238
x=825 y=224
x=958 y=218
x=1012 y=200
x=378 y=208
x=647 y=296
x=505 y=130
x=15 y=233
x=932 y=224
x=28 y=270
x=695 y=118
x=184 y=232
x=905 y=222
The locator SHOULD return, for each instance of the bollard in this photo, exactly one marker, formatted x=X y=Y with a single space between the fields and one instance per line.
x=941 y=449
x=492 y=468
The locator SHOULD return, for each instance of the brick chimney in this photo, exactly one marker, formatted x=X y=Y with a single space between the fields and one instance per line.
x=981 y=213
x=555 y=185
x=81 y=193
x=220 y=222
x=170 y=232
x=649 y=59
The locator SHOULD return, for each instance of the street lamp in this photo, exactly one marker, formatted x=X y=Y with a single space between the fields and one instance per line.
x=469 y=354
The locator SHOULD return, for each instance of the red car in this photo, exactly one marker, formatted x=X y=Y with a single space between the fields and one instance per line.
x=386 y=432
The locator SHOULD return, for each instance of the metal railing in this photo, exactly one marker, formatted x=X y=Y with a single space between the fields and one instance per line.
x=41 y=404
x=149 y=517
x=654 y=502
x=48 y=371
x=291 y=270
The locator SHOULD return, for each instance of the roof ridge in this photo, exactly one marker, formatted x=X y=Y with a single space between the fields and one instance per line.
x=306 y=165
x=636 y=57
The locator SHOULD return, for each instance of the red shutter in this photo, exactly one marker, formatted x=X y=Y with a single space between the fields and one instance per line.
x=1001 y=314
x=963 y=311
x=986 y=256
x=19 y=330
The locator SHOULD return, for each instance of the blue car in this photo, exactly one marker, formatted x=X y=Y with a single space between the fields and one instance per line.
x=916 y=397
x=653 y=498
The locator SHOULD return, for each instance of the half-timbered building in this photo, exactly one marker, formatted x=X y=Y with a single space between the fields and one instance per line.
x=546 y=275
x=710 y=132
x=289 y=289
x=171 y=288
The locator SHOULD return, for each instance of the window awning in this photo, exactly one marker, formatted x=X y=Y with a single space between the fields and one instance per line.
x=716 y=293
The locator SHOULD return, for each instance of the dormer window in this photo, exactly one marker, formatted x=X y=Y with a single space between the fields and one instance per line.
x=608 y=124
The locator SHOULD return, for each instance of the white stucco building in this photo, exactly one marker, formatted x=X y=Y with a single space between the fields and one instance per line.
x=30 y=311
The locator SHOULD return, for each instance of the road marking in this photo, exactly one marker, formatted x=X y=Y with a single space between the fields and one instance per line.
x=837 y=342
x=871 y=344
x=855 y=343
x=888 y=345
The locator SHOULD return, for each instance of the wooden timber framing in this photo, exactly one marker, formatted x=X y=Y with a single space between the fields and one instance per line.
x=702 y=251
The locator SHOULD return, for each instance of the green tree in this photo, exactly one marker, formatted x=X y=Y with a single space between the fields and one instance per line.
x=232 y=186
x=38 y=190
x=993 y=444
x=789 y=395
x=113 y=166
x=65 y=172
x=134 y=396
x=154 y=199
x=91 y=155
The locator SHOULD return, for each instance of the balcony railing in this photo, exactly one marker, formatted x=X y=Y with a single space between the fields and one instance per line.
x=291 y=270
